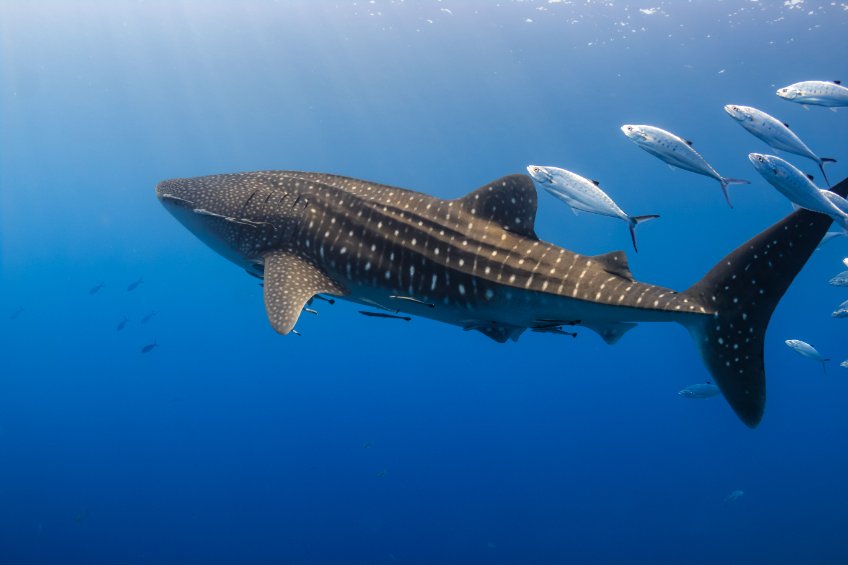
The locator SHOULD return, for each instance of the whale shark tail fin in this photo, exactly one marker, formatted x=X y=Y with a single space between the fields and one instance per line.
x=742 y=291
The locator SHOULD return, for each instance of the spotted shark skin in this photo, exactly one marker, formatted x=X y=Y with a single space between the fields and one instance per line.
x=474 y=262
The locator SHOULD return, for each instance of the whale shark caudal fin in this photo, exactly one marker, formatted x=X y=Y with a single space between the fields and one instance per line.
x=743 y=290
x=290 y=282
x=725 y=182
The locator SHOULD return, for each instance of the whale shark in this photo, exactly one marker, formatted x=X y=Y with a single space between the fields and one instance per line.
x=477 y=263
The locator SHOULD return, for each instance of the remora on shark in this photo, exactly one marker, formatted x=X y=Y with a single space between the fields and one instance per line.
x=477 y=263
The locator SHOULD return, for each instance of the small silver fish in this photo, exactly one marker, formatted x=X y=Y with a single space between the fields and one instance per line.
x=805 y=349
x=841 y=311
x=734 y=496
x=677 y=152
x=700 y=390
x=844 y=364
x=798 y=188
x=829 y=94
x=149 y=347
x=830 y=236
x=775 y=133
x=122 y=324
x=840 y=280
x=581 y=193
x=134 y=285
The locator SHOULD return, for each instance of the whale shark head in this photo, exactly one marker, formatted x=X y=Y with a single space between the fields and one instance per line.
x=216 y=210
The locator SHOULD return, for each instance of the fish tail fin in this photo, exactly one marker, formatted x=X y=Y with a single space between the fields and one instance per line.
x=739 y=295
x=822 y=161
x=725 y=182
x=634 y=221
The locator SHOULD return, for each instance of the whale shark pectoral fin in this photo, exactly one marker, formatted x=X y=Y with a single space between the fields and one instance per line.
x=510 y=202
x=290 y=282
x=612 y=332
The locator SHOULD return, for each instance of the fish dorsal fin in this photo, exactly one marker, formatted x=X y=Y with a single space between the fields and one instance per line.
x=809 y=176
x=596 y=182
x=837 y=82
x=689 y=143
x=610 y=332
x=615 y=263
x=786 y=125
x=509 y=201
x=290 y=282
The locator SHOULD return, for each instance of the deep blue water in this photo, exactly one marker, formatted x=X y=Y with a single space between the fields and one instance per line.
x=378 y=441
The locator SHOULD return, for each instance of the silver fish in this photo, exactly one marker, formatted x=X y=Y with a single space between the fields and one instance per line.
x=581 y=193
x=677 y=152
x=806 y=350
x=700 y=390
x=841 y=311
x=830 y=236
x=734 y=496
x=830 y=94
x=775 y=133
x=798 y=188
x=840 y=280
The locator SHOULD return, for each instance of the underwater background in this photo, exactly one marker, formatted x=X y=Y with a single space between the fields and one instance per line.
x=380 y=441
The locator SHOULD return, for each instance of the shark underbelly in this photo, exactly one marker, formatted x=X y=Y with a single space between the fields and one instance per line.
x=479 y=303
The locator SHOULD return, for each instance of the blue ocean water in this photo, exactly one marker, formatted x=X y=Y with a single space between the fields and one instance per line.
x=379 y=441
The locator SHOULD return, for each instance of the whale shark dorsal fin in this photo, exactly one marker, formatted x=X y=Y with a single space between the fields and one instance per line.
x=615 y=263
x=290 y=282
x=509 y=201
